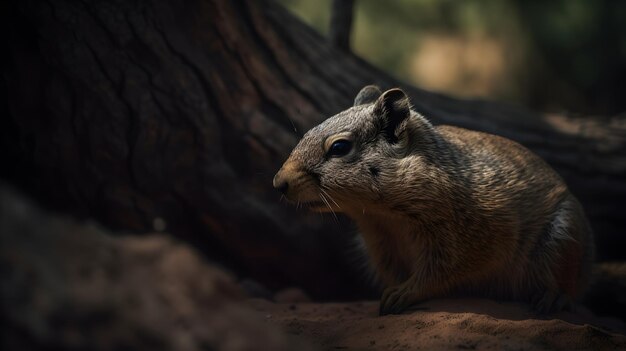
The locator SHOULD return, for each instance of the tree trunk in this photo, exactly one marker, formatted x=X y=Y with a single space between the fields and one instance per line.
x=152 y=115
x=341 y=24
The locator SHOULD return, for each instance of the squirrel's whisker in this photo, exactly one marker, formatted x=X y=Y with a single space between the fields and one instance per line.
x=329 y=207
x=330 y=197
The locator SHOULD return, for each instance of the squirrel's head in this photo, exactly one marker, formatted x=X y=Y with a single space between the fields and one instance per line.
x=345 y=162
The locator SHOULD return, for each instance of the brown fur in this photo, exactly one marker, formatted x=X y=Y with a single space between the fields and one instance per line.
x=443 y=210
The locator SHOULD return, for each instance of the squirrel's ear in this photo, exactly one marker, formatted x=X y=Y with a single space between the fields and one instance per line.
x=367 y=95
x=393 y=107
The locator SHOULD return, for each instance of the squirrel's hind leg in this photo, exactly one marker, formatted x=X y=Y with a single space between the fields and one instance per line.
x=563 y=265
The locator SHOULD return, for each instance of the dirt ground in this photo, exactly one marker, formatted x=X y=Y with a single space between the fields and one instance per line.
x=463 y=324
x=68 y=285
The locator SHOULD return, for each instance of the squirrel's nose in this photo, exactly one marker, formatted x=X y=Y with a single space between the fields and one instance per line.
x=280 y=184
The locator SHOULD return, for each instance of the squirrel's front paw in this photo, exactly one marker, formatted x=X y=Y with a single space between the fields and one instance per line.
x=551 y=301
x=395 y=300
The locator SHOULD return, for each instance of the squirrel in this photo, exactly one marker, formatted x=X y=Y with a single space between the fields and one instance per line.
x=443 y=211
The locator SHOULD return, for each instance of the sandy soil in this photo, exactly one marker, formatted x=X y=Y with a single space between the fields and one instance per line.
x=469 y=324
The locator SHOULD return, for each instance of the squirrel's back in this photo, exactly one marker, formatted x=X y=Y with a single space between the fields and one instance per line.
x=520 y=194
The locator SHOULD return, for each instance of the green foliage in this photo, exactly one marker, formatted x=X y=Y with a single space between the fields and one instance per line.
x=548 y=54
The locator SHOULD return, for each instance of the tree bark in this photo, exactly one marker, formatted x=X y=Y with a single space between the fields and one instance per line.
x=138 y=113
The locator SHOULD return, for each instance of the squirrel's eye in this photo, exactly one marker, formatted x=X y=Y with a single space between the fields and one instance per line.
x=340 y=148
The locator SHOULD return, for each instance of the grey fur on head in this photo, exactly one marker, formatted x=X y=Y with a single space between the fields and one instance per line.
x=367 y=95
x=381 y=129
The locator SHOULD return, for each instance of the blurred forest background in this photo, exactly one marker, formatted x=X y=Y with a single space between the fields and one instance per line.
x=552 y=56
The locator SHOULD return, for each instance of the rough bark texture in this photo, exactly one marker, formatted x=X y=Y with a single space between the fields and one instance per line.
x=139 y=113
